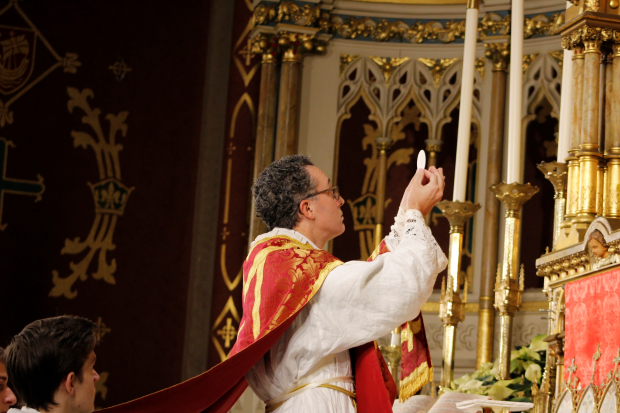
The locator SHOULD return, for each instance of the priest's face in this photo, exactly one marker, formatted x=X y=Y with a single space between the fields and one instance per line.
x=328 y=215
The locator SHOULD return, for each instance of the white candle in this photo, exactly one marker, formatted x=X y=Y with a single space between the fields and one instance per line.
x=395 y=339
x=516 y=90
x=467 y=94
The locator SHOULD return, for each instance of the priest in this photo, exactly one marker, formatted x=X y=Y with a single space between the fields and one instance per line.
x=305 y=342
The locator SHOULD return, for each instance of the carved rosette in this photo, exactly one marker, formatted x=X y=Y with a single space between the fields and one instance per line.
x=457 y=213
x=557 y=174
x=513 y=196
x=499 y=54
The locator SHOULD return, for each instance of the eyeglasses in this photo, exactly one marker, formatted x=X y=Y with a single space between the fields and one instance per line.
x=335 y=193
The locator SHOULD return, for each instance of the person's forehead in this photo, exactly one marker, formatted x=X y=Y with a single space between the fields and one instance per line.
x=3 y=375
x=317 y=174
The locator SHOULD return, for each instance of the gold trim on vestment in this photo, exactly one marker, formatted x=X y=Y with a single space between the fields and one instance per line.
x=411 y=384
x=352 y=396
x=257 y=270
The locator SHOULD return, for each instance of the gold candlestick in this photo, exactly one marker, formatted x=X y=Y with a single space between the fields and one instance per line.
x=451 y=307
x=557 y=174
x=509 y=285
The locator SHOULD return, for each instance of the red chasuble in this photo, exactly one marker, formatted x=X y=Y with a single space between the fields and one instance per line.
x=280 y=276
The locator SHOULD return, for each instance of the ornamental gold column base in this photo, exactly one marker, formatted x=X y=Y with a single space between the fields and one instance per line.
x=451 y=307
x=557 y=174
x=392 y=356
x=509 y=281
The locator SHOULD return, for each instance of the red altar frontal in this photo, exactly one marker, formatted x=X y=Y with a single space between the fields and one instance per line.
x=583 y=286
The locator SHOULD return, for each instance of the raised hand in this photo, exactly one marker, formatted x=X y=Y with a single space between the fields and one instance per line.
x=424 y=190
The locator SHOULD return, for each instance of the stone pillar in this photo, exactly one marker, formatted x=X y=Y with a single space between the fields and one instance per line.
x=265 y=122
x=589 y=148
x=612 y=207
x=452 y=307
x=575 y=139
x=499 y=53
x=383 y=146
x=288 y=107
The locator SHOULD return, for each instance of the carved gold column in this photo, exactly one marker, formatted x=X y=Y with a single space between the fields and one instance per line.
x=288 y=103
x=433 y=147
x=575 y=139
x=612 y=204
x=452 y=307
x=266 y=119
x=509 y=284
x=589 y=148
x=556 y=173
x=293 y=45
x=499 y=53
x=383 y=146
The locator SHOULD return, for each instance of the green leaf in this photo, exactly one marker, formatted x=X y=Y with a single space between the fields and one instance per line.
x=538 y=344
x=533 y=373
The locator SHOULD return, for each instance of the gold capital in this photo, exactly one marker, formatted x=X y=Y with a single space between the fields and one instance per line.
x=513 y=196
x=457 y=213
x=499 y=53
x=556 y=173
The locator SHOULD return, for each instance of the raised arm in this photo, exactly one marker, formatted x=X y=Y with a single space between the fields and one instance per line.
x=362 y=301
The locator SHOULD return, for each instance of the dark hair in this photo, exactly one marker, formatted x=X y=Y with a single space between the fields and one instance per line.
x=2 y=358
x=280 y=188
x=44 y=353
x=598 y=235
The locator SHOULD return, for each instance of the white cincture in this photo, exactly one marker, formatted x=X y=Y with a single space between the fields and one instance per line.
x=282 y=397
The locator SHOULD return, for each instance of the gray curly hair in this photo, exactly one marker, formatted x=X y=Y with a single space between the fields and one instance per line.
x=280 y=188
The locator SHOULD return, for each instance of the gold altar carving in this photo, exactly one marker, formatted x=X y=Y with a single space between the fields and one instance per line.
x=499 y=54
x=110 y=195
x=491 y=25
x=527 y=61
x=364 y=208
x=345 y=61
x=438 y=67
x=388 y=65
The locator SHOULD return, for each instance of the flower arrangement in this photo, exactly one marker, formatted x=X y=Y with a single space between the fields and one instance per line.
x=526 y=366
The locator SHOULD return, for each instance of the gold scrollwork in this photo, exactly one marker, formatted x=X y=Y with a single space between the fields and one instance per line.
x=491 y=25
x=527 y=61
x=388 y=65
x=499 y=54
x=364 y=207
x=542 y=25
x=345 y=61
x=110 y=196
x=438 y=67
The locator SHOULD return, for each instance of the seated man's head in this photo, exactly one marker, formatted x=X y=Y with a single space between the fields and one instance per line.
x=293 y=193
x=7 y=398
x=51 y=365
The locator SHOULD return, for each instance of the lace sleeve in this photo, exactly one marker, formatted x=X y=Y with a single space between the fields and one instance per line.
x=415 y=227
x=393 y=238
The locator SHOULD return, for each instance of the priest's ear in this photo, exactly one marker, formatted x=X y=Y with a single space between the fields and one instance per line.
x=306 y=209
